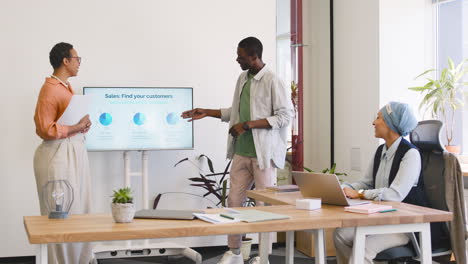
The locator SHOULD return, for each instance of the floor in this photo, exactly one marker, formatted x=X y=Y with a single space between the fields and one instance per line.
x=211 y=255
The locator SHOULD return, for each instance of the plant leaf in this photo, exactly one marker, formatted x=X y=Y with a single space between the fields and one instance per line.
x=180 y=161
x=223 y=194
x=420 y=89
x=226 y=171
x=214 y=174
x=208 y=160
x=198 y=184
x=156 y=200
x=450 y=63
x=424 y=73
x=122 y=195
x=201 y=180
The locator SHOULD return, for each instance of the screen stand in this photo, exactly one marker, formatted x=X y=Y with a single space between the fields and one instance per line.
x=147 y=249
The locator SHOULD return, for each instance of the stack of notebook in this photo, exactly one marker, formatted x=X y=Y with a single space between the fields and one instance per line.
x=369 y=208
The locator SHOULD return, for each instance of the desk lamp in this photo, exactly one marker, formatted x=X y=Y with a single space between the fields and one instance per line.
x=58 y=198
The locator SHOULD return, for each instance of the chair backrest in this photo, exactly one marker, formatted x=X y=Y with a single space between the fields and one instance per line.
x=427 y=137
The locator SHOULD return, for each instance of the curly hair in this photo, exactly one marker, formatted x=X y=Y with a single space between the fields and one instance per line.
x=252 y=46
x=58 y=52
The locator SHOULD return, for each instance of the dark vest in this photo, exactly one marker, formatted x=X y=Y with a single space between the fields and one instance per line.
x=416 y=195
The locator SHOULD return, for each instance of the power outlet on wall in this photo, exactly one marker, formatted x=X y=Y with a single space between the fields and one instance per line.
x=355 y=155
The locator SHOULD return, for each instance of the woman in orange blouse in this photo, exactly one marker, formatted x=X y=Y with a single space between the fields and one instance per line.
x=62 y=154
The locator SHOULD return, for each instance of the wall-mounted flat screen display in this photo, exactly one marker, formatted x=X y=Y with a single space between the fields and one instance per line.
x=139 y=118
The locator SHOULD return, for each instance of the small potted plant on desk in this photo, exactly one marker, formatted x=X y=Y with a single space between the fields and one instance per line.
x=123 y=209
x=443 y=96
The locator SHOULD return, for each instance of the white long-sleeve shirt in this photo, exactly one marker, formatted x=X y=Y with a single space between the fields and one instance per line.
x=406 y=177
x=270 y=100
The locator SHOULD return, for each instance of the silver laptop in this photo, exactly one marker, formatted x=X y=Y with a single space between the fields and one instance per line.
x=167 y=214
x=324 y=186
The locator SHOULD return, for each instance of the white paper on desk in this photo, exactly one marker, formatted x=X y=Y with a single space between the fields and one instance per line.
x=76 y=109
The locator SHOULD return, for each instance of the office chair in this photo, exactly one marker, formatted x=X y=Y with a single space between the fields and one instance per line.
x=427 y=137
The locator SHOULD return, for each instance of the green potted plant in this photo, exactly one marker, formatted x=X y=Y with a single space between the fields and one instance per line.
x=123 y=209
x=443 y=96
x=215 y=184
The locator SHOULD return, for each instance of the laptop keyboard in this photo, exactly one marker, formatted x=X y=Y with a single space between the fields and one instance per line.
x=357 y=201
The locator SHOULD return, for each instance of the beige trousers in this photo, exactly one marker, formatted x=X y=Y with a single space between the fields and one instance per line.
x=66 y=159
x=344 y=238
x=244 y=173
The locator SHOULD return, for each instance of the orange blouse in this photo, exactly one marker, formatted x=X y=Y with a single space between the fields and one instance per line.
x=52 y=102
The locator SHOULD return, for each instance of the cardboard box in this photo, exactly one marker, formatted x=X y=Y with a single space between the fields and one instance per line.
x=305 y=242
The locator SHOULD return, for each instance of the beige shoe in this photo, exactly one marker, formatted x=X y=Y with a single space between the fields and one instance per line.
x=231 y=258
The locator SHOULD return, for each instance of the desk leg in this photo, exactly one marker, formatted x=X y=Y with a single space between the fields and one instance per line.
x=41 y=254
x=425 y=240
x=264 y=247
x=362 y=231
x=289 y=247
x=320 y=253
x=358 y=245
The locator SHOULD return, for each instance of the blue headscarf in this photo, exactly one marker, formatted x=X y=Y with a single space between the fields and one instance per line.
x=399 y=117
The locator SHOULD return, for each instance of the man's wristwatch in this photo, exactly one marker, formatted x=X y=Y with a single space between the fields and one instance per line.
x=361 y=194
x=245 y=126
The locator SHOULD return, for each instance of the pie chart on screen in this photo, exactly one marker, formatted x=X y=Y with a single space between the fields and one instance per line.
x=105 y=119
x=139 y=119
x=172 y=118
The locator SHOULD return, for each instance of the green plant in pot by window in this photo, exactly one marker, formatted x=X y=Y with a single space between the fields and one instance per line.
x=444 y=95
x=123 y=209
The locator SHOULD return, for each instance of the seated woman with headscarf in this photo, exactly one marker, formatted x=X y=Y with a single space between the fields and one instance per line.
x=393 y=175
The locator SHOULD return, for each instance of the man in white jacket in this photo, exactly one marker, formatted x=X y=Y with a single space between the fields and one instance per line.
x=258 y=119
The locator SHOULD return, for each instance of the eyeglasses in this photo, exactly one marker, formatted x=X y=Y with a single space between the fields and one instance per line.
x=78 y=58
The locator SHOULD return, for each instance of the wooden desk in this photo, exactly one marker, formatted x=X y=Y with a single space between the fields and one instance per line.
x=304 y=241
x=463 y=164
x=407 y=218
x=464 y=167
x=101 y=227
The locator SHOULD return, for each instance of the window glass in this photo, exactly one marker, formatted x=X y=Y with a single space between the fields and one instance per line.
x=452 y=42
x=283 y=44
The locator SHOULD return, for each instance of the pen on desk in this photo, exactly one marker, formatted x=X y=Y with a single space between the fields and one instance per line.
x=227 y=216
x=386 y=211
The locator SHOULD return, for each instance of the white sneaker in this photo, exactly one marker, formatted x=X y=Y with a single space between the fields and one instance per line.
x=231 y=258
x=256 y=260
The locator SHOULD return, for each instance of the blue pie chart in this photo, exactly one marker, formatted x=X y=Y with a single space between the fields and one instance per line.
x=172 y=118
x=105 y=119
x=139 y=119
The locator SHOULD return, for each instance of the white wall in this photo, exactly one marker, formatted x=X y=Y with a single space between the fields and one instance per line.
x=356 y=49
x=406 y=49
x=316 y=22
x=380 y=46
x=123 y=43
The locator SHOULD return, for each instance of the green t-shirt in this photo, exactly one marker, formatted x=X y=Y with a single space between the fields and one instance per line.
x=245 y=144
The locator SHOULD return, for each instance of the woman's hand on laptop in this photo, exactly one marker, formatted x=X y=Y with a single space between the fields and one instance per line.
x=353 y=194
